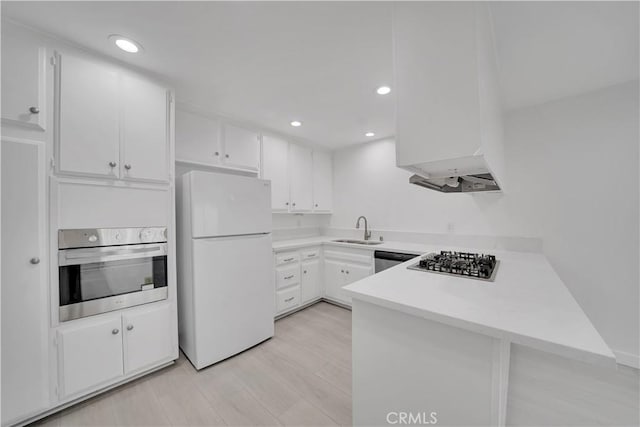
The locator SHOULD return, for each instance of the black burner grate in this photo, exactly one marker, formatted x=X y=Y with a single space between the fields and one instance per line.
x=466 y=264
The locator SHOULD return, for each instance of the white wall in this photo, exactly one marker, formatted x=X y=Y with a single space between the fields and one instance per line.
x=572 y=170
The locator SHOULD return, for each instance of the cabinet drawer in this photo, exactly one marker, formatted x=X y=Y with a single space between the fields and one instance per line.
x=287 y=299
x=310 y=254
x=287 y=276
x=287 y=258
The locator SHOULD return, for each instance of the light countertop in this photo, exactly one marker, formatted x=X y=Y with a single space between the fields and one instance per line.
x=527 y=303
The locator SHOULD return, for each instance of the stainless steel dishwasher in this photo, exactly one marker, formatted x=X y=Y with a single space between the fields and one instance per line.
x=386 y=260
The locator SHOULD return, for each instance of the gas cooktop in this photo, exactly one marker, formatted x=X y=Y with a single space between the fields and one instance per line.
x=460 y=264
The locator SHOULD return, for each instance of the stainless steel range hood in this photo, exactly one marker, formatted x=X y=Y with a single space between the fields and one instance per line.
x=458 y=184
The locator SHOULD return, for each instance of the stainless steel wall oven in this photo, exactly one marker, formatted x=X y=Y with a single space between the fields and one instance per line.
x=107 y=269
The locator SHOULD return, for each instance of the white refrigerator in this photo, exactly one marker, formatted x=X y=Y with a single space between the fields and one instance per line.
x=226 y=293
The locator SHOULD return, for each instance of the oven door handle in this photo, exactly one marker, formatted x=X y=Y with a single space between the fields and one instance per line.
x=86 y=256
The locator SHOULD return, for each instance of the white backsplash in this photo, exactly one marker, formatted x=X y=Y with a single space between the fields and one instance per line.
x=508 y=243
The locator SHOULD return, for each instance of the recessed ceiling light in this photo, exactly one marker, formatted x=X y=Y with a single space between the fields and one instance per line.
x=383 y=90
x=369 y=134
x=126 y=44
x=296 y=123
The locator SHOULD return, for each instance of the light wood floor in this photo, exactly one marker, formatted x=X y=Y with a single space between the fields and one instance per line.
x=301 y=377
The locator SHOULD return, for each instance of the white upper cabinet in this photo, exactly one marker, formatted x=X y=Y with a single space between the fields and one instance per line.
x=322 y=181
x=145 y=130
x=275 y=167
x=301 y=178
x=448 y=113
x=110 y=123
x=208 y=141
x=23 y=80
x=197 y=138
x=241 y=147
x=88 y=137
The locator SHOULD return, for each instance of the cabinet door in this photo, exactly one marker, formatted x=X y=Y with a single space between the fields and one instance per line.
x=354 y=272
x=322 y=181
x=197 y=138
x=88 y=140
x=145 y=133
x=310 y=280
x=275 y=153
x=333 y=279
x=241 y=147
x=90 y=354
x=301 y=178
x=148 y=337
x=24 y=286
x=23 y=81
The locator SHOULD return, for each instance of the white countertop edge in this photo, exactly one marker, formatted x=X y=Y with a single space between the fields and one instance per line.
x=604 y=360
x=293 y=244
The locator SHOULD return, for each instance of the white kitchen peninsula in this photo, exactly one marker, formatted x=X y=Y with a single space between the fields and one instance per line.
x=463 y=349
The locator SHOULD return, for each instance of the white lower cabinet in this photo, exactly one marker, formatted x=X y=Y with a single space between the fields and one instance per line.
x=310 y=281
x=297 y=278
x=309 y=274
x=25 y=302
x=90 y=354
x=147 y=337
x=334 y=279
x=94 y=352
x=343 y=268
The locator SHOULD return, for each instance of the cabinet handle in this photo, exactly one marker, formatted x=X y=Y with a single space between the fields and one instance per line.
x=341 y=271
x=294 y=203
x=216 y=153
x=115 y=331
x=305 y=271
x=311 y=255
x=226 y=155
x=288 y=277
x=113 y=164
x=288 y=259
x=129 y=327
x=35 y=260
x=347 y=271
x=34 y=110
x=287 y=203
x=127 y=166
x=289 y=299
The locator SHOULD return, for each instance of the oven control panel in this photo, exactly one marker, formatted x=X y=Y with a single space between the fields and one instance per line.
x=95 y=237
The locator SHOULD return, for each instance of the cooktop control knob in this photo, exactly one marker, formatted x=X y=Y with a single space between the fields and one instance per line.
x=93 y=238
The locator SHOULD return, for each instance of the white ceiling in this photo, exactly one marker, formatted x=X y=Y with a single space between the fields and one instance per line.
x=549 y=50
x=268 y=63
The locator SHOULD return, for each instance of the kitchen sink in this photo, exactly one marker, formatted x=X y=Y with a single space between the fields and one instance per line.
x=358 y=242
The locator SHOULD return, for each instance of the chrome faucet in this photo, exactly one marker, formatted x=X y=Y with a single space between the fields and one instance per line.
x=367 y=233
